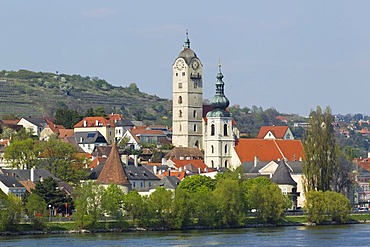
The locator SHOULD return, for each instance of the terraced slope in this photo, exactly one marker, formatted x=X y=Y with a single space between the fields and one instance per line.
x=27 y=93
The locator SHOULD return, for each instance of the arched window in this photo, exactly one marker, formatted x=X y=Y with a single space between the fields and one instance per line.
x=212 y=130
x=212 y=149
x=225 y=149
x=212 y=164
x=180 y=100
x=194 y=114
x=180 y=113
x=196 y=144
x=226 y=163
x=225 y=130
x=195 y=128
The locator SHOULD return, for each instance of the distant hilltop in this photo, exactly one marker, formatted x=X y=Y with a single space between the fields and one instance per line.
x=28 y=93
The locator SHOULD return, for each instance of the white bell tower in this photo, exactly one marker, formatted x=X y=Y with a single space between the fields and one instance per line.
x=187 y=92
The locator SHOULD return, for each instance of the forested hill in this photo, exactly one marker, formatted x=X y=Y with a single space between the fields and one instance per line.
x=26 y=93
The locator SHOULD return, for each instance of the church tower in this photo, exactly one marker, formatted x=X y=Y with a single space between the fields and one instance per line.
x=219 y=139
x=187 y=99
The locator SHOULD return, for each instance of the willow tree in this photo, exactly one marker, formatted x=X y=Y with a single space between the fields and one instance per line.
x=321 y=165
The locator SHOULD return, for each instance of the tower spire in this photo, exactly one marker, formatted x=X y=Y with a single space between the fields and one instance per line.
x=187 y=42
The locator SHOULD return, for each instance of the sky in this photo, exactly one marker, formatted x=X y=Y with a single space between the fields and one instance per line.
x=288 y=55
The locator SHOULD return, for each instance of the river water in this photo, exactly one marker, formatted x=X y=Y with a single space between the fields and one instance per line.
x=344 y=235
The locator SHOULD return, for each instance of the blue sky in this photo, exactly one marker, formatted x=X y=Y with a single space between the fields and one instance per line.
x=290 y=55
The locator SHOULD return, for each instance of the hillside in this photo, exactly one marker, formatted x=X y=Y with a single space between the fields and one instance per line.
x=27 y=93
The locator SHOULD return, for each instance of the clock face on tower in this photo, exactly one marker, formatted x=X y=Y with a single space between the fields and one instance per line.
x=195 y=64
x=180 y=65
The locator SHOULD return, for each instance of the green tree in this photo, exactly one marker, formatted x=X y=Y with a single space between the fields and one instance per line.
x=66 y=117
x=36 y=205
x=182 y=209
x=137 y=207
x=230 y=202
x=268 y=201
x=62 y=159
x=10 y=211
x=321 y=165
x=205 y=207
x=338 y=206
x=87 y=198
x=112 y=200
x=23 y=153
x=49 y=191
x=315 y=206
x=193 y=183
x=160 y=204
x=36 y=209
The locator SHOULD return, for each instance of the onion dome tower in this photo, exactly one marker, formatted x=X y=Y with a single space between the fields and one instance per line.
x=219 y=140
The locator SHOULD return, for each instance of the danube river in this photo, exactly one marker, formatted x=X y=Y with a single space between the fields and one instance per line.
x=344 y=235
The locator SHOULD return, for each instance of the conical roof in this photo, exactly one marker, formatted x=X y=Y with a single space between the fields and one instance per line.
x=282 y=175
x=113 y=172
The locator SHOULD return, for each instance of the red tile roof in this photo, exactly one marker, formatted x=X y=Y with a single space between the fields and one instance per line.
x=113 y=172
x=144 y=130
x=277 y=131
x=95 y=122
x=268 y=150
x=66 y=133
x=179 y=175
x=97 y=161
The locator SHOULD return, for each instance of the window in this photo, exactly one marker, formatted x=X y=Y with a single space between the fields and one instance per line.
x=141 y=184
x=284 y=190
x=225 y=130
x=149 y=184
x=225 y=149
x=196 y=144
x=180 y=128
x=134 y=184
x=180 y=85
x=177 y=74
x=195 y=85
x=212 y=164
x=195 y=114
x=195 y=128
x=180 y=113
x=226 y=163
x=180 y=100
x=183 y=73
x=212 y=149
x=212 y=130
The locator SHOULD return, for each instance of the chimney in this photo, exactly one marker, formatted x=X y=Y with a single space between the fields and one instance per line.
x=136 y=160
x=124 y=159
x=85 y=123
x=32 y=175
x=199 y=170
x=368 y=154
x=96 y=122
x=255 y=162
x=155 y=169
x=163 y=161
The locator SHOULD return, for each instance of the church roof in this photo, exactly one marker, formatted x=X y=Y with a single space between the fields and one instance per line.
x=267 y=149
x=187 y=54
x=282 y=175
x=184 y=152
x=113 y=172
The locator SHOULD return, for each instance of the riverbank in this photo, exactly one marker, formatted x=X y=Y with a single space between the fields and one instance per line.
x=70 y=227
